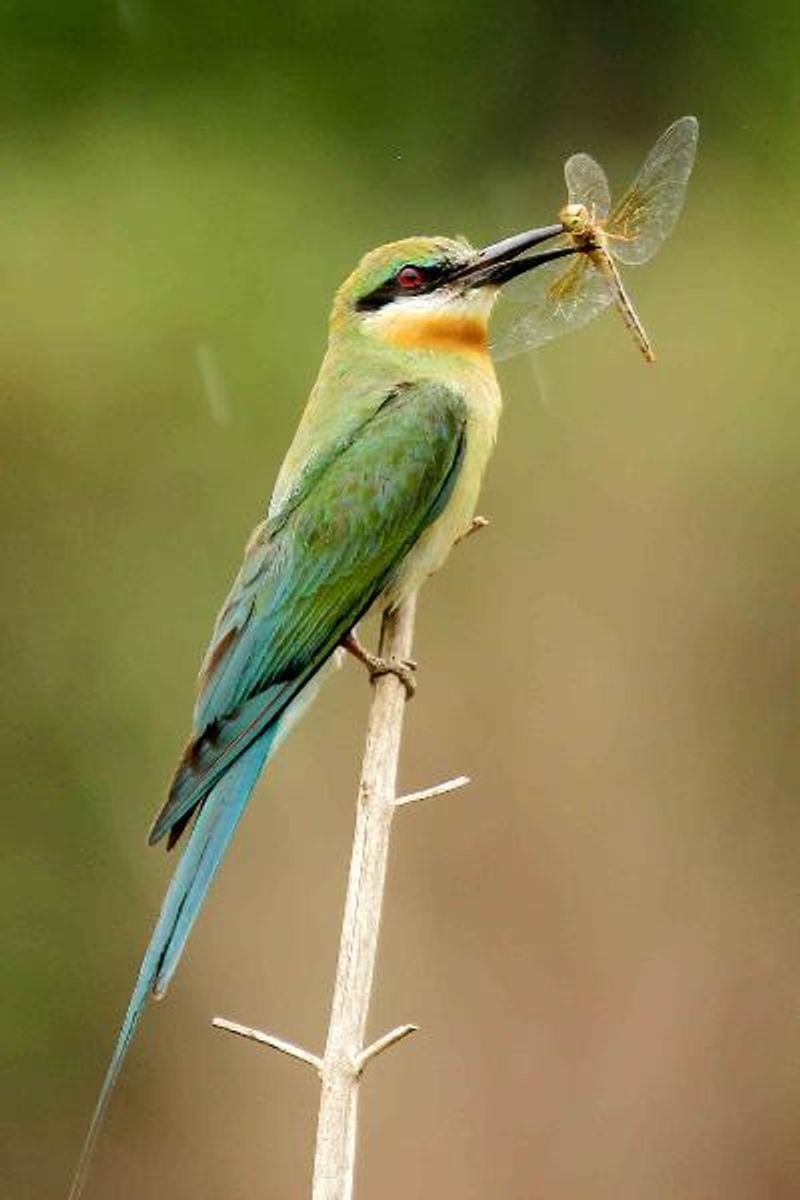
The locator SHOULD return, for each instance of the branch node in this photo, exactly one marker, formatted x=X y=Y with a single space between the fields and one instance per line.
x=383 y=1043
x=439 y=789
x=267 y=1039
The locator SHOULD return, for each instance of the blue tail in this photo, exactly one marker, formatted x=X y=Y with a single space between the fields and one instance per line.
x=207 y=843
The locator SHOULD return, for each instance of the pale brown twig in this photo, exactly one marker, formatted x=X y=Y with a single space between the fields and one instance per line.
x=345 y=1058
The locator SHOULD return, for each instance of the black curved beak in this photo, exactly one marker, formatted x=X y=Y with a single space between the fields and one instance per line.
x=497 y=264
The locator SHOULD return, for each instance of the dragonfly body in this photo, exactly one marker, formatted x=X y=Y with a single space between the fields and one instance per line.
x=589 y=236
x=605 y=264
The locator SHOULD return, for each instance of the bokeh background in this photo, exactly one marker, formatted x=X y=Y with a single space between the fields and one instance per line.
x=599 y=937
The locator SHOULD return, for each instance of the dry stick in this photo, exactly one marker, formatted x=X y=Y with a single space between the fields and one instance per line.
x=334 y=1159
x=346 y=1057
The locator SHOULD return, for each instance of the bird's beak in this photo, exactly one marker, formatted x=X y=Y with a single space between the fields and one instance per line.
x=505 y=260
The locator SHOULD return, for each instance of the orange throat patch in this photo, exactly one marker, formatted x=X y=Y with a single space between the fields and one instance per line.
x=442 y=332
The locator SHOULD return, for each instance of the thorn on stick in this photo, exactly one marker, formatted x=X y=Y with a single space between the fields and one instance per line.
x=475 y=526
x=267 y=1039
x=383 y=1043
x=438 y=789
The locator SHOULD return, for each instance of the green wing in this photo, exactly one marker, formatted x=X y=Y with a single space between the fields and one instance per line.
x=311 y=572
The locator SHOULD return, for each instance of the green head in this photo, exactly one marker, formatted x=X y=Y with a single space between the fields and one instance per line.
x=434 y=293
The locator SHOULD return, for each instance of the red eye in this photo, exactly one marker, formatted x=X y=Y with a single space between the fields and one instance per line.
x=410 y=277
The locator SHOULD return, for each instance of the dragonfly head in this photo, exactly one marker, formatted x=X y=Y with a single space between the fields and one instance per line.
x=576 y=219
x=586 y=232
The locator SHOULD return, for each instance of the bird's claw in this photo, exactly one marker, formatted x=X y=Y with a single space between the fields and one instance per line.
x=403 y=668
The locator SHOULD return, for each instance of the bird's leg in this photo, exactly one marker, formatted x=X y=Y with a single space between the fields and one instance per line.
x=475 y=526
x=382 y=666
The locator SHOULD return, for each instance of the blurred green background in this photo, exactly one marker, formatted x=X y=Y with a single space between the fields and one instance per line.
x=599 y=937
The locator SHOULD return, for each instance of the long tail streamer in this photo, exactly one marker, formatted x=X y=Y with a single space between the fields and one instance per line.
x=193 y=877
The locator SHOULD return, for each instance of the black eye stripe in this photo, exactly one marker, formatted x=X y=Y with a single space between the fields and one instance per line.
x=387 y=291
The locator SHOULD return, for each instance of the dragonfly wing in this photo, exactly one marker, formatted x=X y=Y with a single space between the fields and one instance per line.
x=587 y=184
x=646 y=214
x=563 y=300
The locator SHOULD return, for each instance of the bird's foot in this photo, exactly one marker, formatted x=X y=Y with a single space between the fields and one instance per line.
x=404 y=669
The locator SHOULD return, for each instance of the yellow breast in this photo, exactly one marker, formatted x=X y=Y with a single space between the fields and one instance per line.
x=481 y=391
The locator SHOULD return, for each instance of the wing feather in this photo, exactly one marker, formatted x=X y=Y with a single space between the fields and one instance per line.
x=310 y=574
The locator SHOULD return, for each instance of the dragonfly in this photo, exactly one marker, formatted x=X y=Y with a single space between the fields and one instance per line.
x=561 y=298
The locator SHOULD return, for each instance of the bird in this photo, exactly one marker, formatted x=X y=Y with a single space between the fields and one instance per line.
x=380 y=481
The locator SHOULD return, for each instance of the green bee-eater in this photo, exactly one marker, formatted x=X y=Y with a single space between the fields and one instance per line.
x=381 y=480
